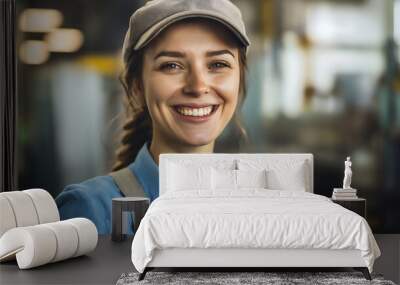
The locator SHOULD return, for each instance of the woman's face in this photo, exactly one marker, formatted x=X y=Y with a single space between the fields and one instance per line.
x=191 y=82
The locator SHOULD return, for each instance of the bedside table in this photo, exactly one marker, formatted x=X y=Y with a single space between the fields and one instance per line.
x=123 y=206
x=358 y=205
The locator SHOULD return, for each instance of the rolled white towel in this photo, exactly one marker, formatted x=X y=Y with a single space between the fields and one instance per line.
x=7 y=218
x=45 y=205
x=23 y=208
x=32 y=246
x=40 y=244
x=87 y=235
x=26 y=208
x=66 y=238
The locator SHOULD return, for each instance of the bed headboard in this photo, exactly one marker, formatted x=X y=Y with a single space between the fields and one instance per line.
x=230 y=161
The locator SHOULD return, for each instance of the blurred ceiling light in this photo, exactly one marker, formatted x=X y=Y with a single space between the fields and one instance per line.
x=33 y=52
x=64 y=40
x=40 y=20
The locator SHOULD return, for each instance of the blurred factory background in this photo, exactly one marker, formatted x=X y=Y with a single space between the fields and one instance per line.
x=324 y=78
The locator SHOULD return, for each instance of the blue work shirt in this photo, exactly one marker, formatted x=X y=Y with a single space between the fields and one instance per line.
x=92 y=198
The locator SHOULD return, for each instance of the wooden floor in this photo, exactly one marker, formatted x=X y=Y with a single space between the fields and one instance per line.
x=388 y=263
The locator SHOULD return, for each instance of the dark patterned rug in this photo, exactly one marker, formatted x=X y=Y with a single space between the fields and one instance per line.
x=229 y=278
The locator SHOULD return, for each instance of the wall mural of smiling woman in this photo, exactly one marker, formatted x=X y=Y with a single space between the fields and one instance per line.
x=184 y=79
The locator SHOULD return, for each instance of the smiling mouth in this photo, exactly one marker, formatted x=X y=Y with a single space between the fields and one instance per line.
x=203 y=112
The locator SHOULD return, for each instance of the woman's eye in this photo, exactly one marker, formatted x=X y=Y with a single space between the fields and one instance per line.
x=169 y=66
x=219 y=64
x=174 y=66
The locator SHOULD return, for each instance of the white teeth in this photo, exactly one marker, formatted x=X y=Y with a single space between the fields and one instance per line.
x=196 y=112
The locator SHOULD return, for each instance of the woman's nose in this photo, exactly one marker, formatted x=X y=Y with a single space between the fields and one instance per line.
x=196 y=82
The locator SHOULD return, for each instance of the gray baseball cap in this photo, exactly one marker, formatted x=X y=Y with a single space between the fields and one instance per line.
x=148 y=21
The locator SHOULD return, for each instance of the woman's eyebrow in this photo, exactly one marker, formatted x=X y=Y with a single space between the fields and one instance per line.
x=182 y=54
x=218 y=52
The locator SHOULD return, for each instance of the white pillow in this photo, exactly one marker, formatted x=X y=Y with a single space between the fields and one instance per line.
x=293 y=179
x=288 y=174
x=251 y=178
x=183 y=177
x=224 y=179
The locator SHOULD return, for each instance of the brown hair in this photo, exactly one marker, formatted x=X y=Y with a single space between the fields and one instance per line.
x=137 y=128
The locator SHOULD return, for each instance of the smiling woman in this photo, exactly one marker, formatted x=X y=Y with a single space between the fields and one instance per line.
x=190 y=70
x=193 y=63
x=184 y=79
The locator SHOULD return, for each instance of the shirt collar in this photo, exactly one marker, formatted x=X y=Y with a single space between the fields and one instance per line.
x=146 y=171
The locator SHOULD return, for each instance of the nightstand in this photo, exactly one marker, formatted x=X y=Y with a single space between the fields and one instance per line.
x=358 y=205
x=121 y=208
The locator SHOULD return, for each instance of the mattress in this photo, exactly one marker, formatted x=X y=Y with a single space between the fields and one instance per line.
x=250 y=218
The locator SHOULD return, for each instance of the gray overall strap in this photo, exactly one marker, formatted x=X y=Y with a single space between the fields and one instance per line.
x=128 y=183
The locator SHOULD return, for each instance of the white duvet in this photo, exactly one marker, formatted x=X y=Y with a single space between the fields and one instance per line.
x=251 y=218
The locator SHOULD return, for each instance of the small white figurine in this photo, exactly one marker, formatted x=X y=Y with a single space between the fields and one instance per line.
x=347 y=174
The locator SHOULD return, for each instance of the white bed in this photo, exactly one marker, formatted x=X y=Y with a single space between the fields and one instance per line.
x=282 y=224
